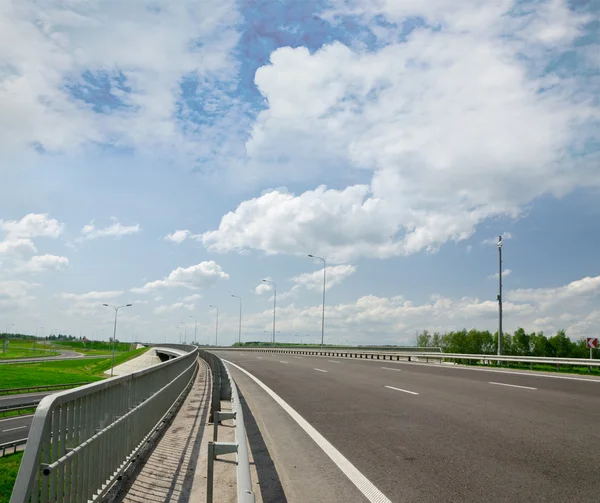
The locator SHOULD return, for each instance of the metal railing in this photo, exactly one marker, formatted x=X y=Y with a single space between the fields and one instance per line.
x=82 y=440
x=43 y=387
x=14 y=445
x=426 y=356
x=224 y=388
x=18 y=408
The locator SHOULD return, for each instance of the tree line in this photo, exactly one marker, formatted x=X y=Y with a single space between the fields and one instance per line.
x=519 y=343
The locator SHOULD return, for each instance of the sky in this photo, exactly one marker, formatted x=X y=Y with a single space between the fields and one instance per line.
x=173 y=154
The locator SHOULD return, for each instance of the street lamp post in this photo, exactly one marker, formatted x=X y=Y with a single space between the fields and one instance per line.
x=195 y=327
x=116 y=308
x=324 y=285
x=217 y=326
x=499 y=295
x=274 y=303
x=240 y=328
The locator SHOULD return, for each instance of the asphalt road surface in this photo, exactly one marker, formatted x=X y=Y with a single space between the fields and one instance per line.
x=438 y=433
x=14 y=428
x=24 y=398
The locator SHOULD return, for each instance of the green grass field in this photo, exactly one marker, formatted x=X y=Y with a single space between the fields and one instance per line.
x=91 y=347
x=60 y=371
x=14 y=353
x=9 y=467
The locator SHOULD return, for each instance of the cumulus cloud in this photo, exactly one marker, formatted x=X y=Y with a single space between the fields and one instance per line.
x=41 y=263
x=335 y=275
x=192 y=298
x=58 y=56
x=505 y=272
x=15 y=294
x=17 y=247
x=373 y=319
x=106 y=295
x=494 y=240
x=116 y=229
x=177 y=306
x=466 y=117
x=31 y=226
x=178 y=237
x=201 y=275
x=263 y=288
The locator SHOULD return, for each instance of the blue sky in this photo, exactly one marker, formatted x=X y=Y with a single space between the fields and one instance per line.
x=172 y=155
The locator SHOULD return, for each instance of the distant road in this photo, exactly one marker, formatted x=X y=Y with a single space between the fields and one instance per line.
x=15 y=428
x=425 y=433
x=24 y=398
x=64 y=355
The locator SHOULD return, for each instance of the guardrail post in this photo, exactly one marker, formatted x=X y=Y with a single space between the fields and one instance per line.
x=210 y=472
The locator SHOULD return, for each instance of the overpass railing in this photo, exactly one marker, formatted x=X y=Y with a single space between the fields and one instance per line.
x=82 y=440
x=426 y=356
x=224 y=388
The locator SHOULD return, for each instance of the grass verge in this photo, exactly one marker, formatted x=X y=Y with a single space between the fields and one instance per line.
x=26 y=353
x=9 y=467
x=61 y=371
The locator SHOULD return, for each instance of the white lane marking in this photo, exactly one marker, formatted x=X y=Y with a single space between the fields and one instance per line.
x=299 y=357
x=388 y=368
x=511 y=385
x=16 y=417
x=259 y=357
x=13 y=429
x=281 y=361
x=363 y=484
x=321 y=370
x=400 y=389
x=333 y=361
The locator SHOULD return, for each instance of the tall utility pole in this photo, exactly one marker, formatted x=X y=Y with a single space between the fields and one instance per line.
x=324 y=285
x=274 y=304
x=195 y=328
x=116 y=308
x=217 y=326
x=240 y=328
x=499 y=295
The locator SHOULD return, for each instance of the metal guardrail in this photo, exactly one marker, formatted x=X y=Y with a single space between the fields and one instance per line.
x=17 y=408
x=82 y=440
x=583 y=362
x=224 y=388
x=12 y=445
x=43 y=387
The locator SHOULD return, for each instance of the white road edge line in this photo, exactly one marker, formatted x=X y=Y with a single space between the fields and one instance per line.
x=333 y=361
x=389 y=368
x=281 y=361
x=15 y=417
x=321 y=370
x=404 y=390
x=13 y=429
x=511 y=385
x=363 y=484
x=299 y=357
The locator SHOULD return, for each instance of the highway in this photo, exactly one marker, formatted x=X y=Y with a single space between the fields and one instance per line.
x=427 y=432
x=17 y=427
x=64 y=355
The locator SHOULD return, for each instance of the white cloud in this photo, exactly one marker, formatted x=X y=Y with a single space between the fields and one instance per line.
x=335 y=275
x=17 y=247
x=585 y=288
x=372 y=319
x=177 y=306
x=505 y=272
x=263 y=288
x=139 y=51
x=178 y=237
x=15 y=294
x=494 y=240
x=31 y=226
x=192 y=298
x=116 y=229
x=41 y=263
x=459 y=122
x=106 y=295
x=201 y=275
